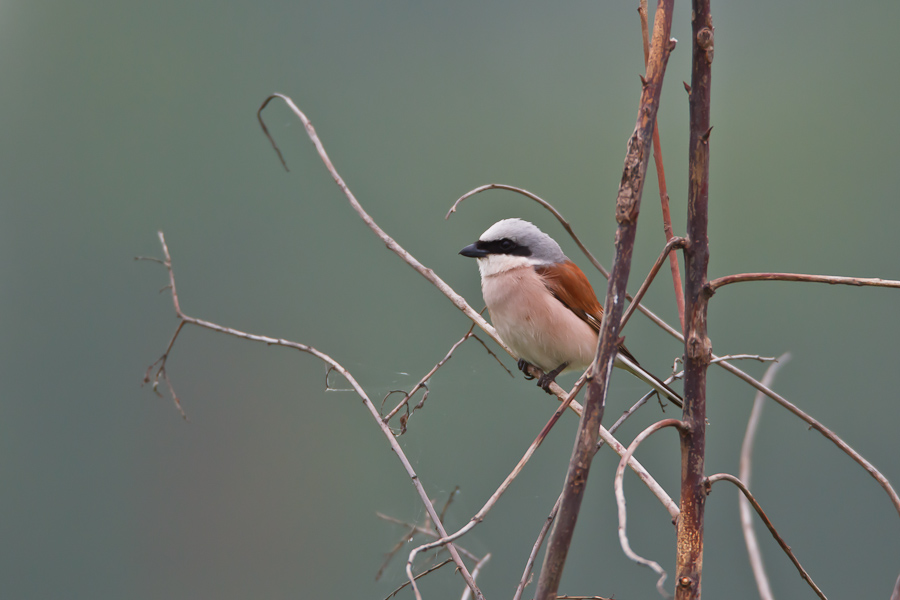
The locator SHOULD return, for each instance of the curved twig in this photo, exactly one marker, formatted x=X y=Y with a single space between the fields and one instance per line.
x=620 y=500
x=830 y=435
x=673 y=243
x=756 y=561
x=762 y=515
x=562 y=220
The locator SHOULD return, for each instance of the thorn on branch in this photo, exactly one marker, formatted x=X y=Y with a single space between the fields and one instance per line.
x=643 y=80
x=687 y=87
x=705 y=137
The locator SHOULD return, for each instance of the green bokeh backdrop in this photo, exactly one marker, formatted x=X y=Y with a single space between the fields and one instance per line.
x=123 y=118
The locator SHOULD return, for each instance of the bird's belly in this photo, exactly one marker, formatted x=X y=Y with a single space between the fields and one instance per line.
x=535 y=325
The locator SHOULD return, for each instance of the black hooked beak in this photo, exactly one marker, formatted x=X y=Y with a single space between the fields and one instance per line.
x=473 y=251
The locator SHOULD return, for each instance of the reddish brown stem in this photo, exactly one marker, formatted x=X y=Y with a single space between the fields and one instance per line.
x=661 y=179
x=698 y=349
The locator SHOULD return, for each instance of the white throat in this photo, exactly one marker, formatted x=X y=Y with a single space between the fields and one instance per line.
x=494 y=264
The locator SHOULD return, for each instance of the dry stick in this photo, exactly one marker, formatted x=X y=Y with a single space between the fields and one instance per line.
x=675 y=242
x=715 y=284
x=661 y=179
x=385 y=429
x=698 y=349
x=895 y=595
x=627 y=209
x=755 y=555
x=762 y=515
x=620 y=500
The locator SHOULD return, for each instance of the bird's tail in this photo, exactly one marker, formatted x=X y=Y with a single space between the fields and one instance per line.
x=657 y=384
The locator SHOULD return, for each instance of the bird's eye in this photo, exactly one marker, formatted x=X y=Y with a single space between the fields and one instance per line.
x=507 y=244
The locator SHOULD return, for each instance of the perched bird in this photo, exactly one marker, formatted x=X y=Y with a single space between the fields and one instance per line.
x=542 y=304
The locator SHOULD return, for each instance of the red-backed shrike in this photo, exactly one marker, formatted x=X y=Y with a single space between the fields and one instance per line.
x=542 y=304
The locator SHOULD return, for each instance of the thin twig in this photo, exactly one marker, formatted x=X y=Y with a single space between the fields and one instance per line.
x=422 y=382
x=529 y=564
x=715 y=284
x=762 y=515
x=426 y=531
x=422 y=574
x=620 y=501
x=825 y=431
x=566 y=225
x=475 y=571
x=673 y=243
x=661 y=179
x=373 y=410
x=746 y=463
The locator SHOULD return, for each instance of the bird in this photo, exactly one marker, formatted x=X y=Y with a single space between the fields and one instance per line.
x=542 y=305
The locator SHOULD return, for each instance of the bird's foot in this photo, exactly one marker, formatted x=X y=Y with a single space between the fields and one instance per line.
x=523 y=366
x=546 y=379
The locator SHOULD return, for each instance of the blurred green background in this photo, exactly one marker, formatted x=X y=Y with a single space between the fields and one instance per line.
x=123 y=118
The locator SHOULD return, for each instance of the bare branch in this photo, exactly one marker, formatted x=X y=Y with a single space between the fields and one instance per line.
x=895 y=595
x=395 y=446
x=762 y=515
x=756 y=561
x=620 y=500
x=715 y=284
